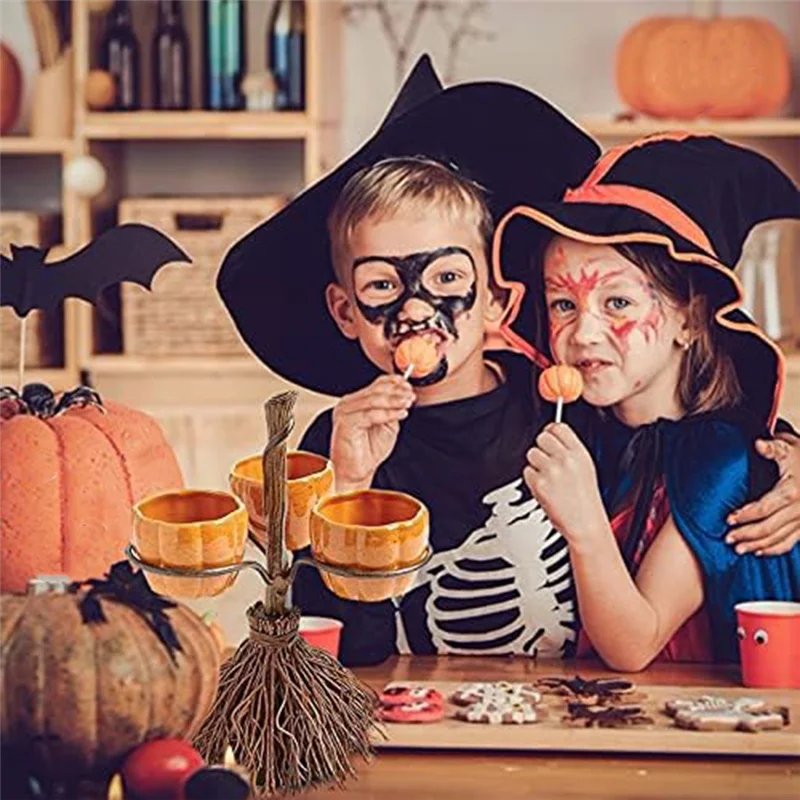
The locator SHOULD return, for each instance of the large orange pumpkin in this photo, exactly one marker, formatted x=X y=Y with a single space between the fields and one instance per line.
x=77 y=696
x=68 y=482
x=689 y=67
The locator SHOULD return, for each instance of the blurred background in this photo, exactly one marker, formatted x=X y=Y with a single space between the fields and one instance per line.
x=203 y=117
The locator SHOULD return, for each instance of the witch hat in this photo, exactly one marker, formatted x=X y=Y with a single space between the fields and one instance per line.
x=697 y=195
x=272 y=281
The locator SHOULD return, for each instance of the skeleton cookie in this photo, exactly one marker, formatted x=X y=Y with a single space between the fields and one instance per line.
x=498 y=692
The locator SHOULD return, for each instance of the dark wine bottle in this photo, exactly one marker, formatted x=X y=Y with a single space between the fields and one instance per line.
x=213 y=39
x=286 y=47
x=119 y=55
x=170 y=58
x=234 y=54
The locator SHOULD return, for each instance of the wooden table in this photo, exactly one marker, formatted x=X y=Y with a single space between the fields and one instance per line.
x=419 y=775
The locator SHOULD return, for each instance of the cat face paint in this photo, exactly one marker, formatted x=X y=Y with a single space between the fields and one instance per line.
x=608 y=320
x=422 y=293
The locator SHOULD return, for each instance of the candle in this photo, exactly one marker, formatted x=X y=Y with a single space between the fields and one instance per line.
x=218 y=782
x=115 y=790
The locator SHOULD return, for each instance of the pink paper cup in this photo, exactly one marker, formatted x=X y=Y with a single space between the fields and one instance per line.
x=769 y=643
x=322 y=632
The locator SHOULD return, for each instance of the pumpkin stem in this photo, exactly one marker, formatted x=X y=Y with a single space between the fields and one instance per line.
x=278 y=411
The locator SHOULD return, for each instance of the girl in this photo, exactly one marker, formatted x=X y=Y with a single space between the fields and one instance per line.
x=636 y=273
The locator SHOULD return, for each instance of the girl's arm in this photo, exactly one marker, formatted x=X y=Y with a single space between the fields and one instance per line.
x=627 y=622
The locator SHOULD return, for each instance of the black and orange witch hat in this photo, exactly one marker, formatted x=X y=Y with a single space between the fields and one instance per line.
x=272 y=281
x=697 y=195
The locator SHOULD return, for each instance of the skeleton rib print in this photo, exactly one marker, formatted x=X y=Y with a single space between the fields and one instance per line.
x=507 y=589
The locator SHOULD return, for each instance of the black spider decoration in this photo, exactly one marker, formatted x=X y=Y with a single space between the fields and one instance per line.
x=40 y=400
x=131 y=588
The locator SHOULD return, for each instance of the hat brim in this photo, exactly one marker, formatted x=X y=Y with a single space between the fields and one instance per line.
x=525 y=230
x=513 y=143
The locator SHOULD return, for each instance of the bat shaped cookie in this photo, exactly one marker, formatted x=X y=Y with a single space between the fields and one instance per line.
x=130 y=252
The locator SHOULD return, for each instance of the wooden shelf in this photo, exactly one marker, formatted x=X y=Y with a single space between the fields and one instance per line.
x=198 y=125
x=134 y=365
x=32 y=145
x=55 y=377
x=767 y=127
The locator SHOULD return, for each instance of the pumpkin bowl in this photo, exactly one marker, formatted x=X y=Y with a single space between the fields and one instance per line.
x=309 y=477
x=190 y=529
x=369 y=530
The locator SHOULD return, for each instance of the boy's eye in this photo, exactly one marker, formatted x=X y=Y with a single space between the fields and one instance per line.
x=448 y=277
x=381 y=285
x=618 y=303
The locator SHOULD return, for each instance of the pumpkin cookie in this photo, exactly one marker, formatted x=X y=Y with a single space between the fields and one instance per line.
x=398 y=694
x=499 y=712
x=498 y=692
x=421 y=711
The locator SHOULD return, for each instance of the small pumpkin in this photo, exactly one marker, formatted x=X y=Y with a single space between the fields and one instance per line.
x=562 y=381
x=369 y=529
x=70 y=470
x=78 y=695
x=10 y=88
x=687 y=67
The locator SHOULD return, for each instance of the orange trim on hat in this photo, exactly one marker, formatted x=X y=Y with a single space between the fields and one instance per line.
x=517 y=289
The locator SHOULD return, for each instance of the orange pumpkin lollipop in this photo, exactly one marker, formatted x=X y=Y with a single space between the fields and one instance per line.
x=560 y=384
x=417 y=354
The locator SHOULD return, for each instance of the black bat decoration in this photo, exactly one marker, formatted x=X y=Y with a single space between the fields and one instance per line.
x=130 y=252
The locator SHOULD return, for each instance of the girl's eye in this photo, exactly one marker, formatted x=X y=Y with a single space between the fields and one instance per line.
x=562 y=306
x=448 y=277
x=760 y=636
x=618 y=303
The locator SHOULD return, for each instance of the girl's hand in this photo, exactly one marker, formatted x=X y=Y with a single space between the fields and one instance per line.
x=562 y=477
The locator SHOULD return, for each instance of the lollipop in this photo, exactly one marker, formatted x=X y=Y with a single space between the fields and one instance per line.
x=416 y=357
x=560 y=384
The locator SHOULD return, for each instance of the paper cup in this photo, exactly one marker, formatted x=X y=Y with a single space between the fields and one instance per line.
x=769 y=644
x=322 y=632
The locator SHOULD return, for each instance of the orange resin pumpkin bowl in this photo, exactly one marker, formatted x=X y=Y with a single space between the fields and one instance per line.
x=369 y=530
x=309 y=477
x=190 y=529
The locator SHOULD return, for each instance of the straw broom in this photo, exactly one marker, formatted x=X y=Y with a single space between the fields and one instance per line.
x=293 y=715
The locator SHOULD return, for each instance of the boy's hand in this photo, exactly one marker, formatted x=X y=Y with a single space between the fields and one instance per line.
x=771 y=525
x=562 y=477
x=365 y=428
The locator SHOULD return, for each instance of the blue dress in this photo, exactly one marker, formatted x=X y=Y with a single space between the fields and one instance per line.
x=708 y=465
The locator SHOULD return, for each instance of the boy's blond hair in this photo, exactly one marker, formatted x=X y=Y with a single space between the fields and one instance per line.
x=409 y=182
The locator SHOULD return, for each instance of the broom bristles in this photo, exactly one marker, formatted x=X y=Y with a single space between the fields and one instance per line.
x=293 y=715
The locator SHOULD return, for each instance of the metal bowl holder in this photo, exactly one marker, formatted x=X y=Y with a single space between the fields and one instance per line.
x=211 y=572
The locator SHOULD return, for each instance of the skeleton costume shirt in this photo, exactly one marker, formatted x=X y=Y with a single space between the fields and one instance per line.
x=499 y=581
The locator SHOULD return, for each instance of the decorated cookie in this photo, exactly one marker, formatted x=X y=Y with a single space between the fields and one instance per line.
x=710 y=713
x=420 y=711
x=499 y=712
x=398 y=694
x=591 y=691
x=583 y=715
x=498 y=692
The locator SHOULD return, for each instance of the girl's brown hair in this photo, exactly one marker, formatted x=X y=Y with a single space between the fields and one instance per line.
x=708 y=379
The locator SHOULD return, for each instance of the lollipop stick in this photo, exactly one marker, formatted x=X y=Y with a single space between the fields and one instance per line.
x=559 y=408
x=407 y=373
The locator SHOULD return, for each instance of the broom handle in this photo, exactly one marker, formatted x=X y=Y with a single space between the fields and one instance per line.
x=21 y=363
x=278 y=411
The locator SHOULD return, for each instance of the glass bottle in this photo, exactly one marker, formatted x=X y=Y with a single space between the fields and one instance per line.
x=120 y=56
x=170 y=58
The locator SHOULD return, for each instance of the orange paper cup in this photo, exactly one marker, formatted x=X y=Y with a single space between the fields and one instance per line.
x=322 y=632
x=769 y=644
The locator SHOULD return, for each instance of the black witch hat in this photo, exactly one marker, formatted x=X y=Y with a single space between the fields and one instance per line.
x=697 y=195
x=511 y=142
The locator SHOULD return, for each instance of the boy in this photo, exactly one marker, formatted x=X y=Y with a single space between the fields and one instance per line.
x=409 y=240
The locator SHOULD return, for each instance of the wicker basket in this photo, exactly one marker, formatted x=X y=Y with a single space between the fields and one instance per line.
x=45 y=335
x=183 y=315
